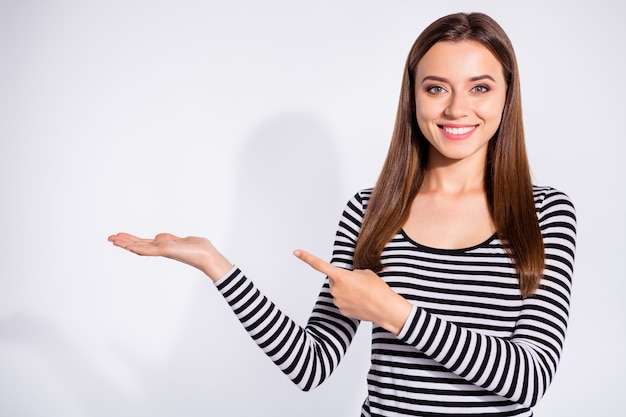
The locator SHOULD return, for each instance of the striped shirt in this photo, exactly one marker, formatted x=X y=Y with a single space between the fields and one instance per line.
x=470 y=346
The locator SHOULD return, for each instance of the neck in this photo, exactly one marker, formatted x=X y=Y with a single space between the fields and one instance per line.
x=454 y=177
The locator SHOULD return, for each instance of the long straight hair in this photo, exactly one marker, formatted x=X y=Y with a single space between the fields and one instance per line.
x=508 y=182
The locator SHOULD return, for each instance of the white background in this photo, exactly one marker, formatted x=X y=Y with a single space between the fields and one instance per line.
x=252 y=123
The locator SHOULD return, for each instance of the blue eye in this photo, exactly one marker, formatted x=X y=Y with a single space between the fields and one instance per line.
x=480 y=89
x=435 y=89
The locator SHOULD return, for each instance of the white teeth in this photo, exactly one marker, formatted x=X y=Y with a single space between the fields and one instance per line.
x=458 y=130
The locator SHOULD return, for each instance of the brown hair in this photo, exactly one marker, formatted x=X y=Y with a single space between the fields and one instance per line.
x=508 y=183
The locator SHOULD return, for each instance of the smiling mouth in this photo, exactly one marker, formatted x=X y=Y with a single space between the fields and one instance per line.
x=457 y=130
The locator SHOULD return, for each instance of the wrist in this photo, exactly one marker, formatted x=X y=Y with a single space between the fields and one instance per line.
x=216 y=266
x=396 y=310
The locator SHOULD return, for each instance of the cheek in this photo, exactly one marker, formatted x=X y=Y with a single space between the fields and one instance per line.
x=491 y=112
x=425 y=114
x=424 y=125
x=426 y=108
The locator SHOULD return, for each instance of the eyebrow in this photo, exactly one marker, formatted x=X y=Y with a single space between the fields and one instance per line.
x=443 y=80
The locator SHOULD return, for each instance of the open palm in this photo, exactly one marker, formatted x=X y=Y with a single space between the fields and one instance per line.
x=195 y=251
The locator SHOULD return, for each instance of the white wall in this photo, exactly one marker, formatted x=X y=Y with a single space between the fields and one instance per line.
x=252 y=123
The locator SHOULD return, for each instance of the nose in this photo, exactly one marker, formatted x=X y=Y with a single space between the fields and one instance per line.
x=458 y=106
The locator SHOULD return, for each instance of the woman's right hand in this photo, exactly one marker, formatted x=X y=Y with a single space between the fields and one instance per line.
x=195 y=251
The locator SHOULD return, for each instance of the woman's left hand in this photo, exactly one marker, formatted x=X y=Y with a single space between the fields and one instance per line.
x=362 y=295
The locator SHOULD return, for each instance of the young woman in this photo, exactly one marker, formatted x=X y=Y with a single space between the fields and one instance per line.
x=461 y=264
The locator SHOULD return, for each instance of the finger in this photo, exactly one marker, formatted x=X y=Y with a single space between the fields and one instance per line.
x=317 y=263
x=120 y=236
x=124 y=239
x=121 y=239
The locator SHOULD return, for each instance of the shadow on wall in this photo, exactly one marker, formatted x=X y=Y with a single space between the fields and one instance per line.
x=287 y=194
x=286 y=197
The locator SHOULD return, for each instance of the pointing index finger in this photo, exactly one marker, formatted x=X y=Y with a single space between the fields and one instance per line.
x=317 y=263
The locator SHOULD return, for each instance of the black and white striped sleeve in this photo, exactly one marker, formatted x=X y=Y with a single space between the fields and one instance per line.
x=307 y=355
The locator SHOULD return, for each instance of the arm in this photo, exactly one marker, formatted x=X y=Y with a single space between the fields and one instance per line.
x=307 y=355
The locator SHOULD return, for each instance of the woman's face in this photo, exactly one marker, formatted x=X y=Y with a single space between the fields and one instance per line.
x=460 y=93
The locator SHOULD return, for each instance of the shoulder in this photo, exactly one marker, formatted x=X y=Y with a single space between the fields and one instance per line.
x=356 y=206
x=546 y=196
x=553 y=205
x=359 y=200
x=352 y=220
x=363 y=196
